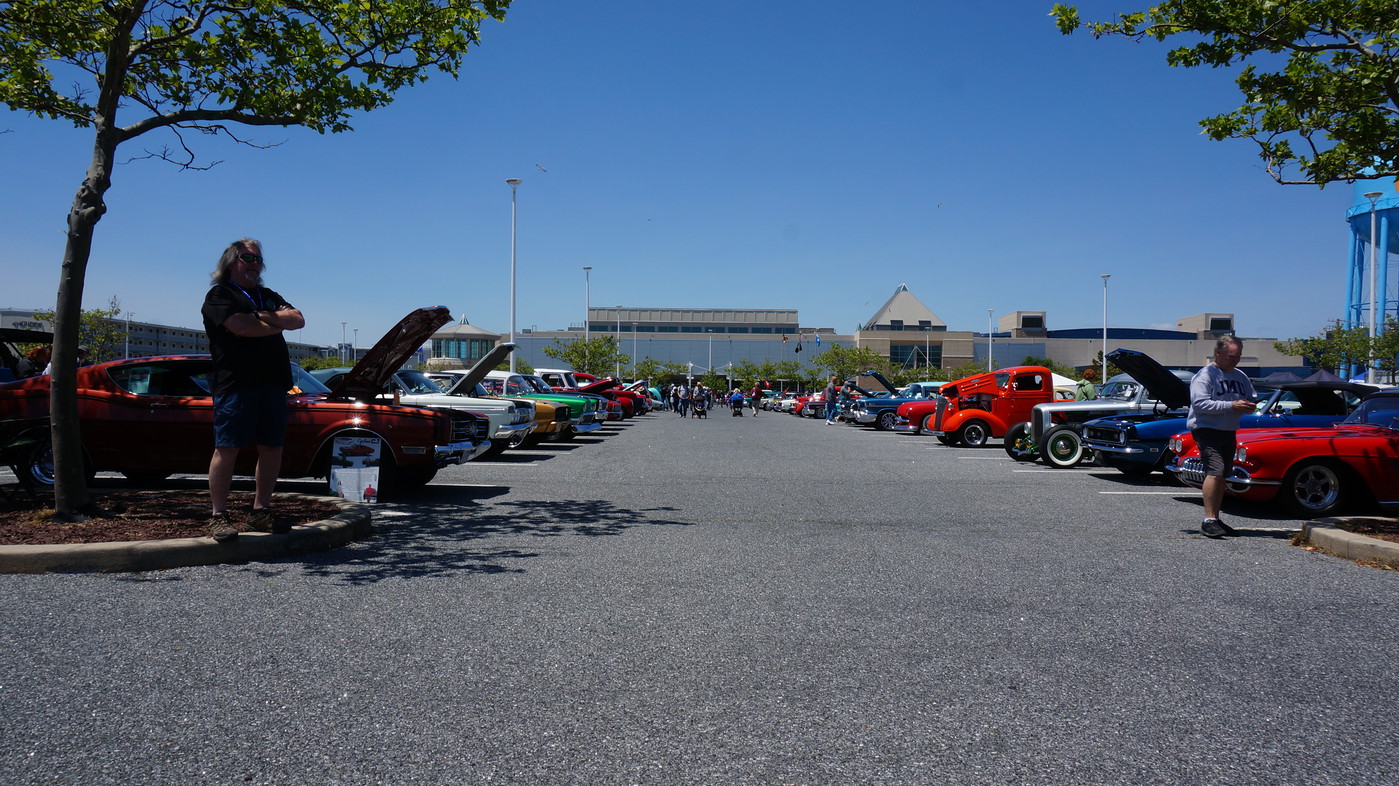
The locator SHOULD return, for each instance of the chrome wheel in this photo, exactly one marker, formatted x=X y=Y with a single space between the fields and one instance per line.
x=1315 y=489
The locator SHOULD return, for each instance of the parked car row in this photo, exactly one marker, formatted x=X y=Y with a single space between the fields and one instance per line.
x=1319 y=446
x=148 y=418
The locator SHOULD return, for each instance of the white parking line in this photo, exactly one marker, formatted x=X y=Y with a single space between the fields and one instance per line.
x=1165 y=493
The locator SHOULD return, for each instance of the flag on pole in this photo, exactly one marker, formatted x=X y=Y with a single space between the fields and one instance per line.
x=818 y=339
x=784 y=338
x=799 y=345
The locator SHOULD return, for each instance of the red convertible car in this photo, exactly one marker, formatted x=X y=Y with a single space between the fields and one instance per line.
x=1316 y=471
x=148 y=418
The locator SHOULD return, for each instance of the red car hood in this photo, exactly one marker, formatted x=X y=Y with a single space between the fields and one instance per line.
x=1249 y=436
x=369 y=376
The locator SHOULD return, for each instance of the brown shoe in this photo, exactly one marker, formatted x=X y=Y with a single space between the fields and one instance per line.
x=221 y=528
x=264 y=520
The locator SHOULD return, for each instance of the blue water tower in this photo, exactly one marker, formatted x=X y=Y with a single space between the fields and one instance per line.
x=1374 y=233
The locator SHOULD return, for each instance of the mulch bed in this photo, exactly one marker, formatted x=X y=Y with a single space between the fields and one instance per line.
x=1373 y=528
x=144 y=515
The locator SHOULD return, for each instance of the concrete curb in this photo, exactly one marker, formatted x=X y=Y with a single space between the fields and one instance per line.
x=350 y=524
x=1325 y=535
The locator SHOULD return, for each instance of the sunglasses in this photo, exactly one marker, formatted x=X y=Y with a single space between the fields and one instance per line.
x=251 y=258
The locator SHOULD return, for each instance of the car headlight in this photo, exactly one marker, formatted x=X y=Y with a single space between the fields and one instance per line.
x=1173 y=444
x=1241 y=455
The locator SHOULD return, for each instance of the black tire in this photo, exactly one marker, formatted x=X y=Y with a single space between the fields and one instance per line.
x=1316 y=489
x=947 y=440
x=1063 y=447
x=886 y=420
x=1018 y=443
x=497 y=447
x=39 y=465
x=928 y=423
x=973 y=434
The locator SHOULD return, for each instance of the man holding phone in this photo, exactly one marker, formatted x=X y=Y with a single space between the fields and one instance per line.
x=1220 y=395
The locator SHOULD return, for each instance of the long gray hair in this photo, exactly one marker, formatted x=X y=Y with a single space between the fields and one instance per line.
x=230 y=255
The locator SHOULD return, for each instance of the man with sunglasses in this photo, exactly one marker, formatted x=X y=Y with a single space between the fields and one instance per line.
x=252 y=374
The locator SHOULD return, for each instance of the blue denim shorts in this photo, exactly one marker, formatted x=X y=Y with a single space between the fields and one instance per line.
x=256 y=414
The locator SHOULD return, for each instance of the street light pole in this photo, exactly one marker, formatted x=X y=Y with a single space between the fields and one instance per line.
x=127 y=352
x=354 y=347
x=587 y=298
x=342 y=343
x=1104 y=379
x=1370 y=375
x=990 y=338
x=619 y=342
x=633 y=351
x=514 y=183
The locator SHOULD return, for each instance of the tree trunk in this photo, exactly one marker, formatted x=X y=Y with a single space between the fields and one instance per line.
x=71 y=497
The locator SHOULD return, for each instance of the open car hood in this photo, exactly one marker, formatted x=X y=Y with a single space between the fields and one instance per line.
x=369 y=376
x=1160 y=383
x=598 y=387
x=484 y=366
x=893 y=391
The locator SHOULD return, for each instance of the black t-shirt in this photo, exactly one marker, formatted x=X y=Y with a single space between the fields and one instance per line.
x=238 y=361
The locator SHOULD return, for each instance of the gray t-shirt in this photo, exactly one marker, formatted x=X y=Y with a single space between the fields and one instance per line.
x=1212 y=393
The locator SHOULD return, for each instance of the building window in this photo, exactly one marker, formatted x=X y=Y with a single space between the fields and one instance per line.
x=738 y=330
x=896 y=324
x=1223 y=324
x=762 y=330
x=915 y=355
x=689 y=329
x=1032 y=322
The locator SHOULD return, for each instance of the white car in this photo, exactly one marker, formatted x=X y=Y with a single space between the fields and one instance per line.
x=511 y=421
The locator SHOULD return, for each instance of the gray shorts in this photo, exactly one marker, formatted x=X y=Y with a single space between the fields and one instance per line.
x=1216 y=449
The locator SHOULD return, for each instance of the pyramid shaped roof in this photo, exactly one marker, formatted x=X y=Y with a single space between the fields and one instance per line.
x=903 y=307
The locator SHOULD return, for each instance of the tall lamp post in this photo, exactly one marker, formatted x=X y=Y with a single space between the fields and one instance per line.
x=514 y=183
x=990 y=337
x=342 y=343
x=619 y=342
x=587 y=298
x=1104 y=379
x=354 y=347
x=1375 y=298
x=633 y=351
x=127 y=353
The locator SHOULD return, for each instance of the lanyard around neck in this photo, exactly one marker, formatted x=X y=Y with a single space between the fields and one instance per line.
x=256 y=301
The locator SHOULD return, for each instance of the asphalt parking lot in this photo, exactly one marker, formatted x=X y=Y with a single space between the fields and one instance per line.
x=729 y=601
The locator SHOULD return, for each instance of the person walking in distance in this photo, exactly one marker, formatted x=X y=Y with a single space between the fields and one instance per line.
x=252 y=374
x=832 y=405
x=1220 y=395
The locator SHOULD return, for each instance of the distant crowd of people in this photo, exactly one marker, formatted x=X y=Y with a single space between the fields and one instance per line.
x=686 y=401
x=39 y=361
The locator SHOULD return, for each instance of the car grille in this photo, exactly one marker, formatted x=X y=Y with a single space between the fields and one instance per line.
x=1191 y=470
x=1115 y=436
x=937 y=416
x=561 y=414
x=469 y=428
x=524 y=413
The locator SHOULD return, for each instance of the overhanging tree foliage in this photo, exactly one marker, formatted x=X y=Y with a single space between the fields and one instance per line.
x=1330 y=112
x=124 y=69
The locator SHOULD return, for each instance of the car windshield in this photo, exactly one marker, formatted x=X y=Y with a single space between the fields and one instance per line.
x=537 y=385
x=306 y=383
x=1380 y=411
x=418 y=384
x=1120 y=391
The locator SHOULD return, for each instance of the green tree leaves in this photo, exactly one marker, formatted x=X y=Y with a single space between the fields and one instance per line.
x=1327 y=110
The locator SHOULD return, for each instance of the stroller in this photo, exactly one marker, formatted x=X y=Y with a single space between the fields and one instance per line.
x=700 y=407
x=736 y=403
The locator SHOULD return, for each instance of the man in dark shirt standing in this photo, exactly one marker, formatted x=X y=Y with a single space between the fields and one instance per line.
x=252 y=374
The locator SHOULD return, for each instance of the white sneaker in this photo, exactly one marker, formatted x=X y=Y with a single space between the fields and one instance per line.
x=829 y=423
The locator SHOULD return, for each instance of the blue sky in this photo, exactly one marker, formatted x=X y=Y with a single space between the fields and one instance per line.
x=733 y=153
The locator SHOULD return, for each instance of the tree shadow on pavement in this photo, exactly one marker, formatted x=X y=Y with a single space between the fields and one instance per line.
x=471 y=533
